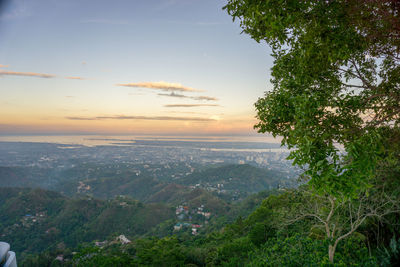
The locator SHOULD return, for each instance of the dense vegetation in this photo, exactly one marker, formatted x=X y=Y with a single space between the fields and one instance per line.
x=36 y=220
x=231 y=176
x=261 y=239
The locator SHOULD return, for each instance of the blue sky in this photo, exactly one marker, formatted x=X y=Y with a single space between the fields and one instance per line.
x=62 y=64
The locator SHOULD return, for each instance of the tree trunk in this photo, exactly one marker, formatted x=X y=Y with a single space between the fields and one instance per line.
x=332 y=249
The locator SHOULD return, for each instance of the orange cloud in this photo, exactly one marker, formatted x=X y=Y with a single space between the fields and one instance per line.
x=3 y=66
x=29 y=74
x=74 y=78
x=164 y=86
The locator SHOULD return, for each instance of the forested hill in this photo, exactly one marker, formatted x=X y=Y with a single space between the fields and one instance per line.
x=145 y=183
x=37 y=220
x=242 y=177
x=263 y=238
x=34 y=220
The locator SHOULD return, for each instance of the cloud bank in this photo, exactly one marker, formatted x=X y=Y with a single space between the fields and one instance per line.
x=29 y=74
x=3 y=66
x=164 y=86
x=155 y=118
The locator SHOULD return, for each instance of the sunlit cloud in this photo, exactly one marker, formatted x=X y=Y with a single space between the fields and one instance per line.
x=3 y=66
x=155 y=118
x=206 y=98
x=75 y=78
x=164 y=86
x=190 y=105
x=29 y=74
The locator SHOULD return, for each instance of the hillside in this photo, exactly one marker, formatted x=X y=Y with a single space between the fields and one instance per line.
x=258 y=238
x=34 y=219
x=148 y=183
x=25 y=176
x=108 y=187
x=234 y=178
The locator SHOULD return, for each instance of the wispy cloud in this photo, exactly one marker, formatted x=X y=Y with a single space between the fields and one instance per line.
x=190 y=105
x=29 y=74
x=155 y=118
x=174 y=95
x=75 y=78
x=164 y=86
x=105 y=21
x=82 y=118
x=3 y=66
x=207 y=98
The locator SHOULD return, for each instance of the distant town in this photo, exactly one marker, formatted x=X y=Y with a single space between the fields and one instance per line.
x=151 y=156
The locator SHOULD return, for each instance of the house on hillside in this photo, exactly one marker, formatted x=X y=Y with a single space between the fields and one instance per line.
x=100 y=244
x=177 y=227
x=194 y=231
x=123 y=239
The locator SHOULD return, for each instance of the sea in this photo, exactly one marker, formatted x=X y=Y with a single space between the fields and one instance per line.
x=261 y=143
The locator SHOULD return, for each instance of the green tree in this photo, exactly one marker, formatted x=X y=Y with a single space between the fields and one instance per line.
x=336 y=89
x=336 y=83
x=338 y=220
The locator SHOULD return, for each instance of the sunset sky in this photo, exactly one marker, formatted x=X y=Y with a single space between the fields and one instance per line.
x=127 y=67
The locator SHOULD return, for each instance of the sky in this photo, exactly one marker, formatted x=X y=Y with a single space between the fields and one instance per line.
x=128 y=67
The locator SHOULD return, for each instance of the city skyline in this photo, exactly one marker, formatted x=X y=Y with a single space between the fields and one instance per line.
x=134 y=67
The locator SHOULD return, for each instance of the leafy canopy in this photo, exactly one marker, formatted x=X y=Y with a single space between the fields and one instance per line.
x=336 y=84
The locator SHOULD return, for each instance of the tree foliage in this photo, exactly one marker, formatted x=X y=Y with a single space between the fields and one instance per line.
x=336 y=84
x=335 y=101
